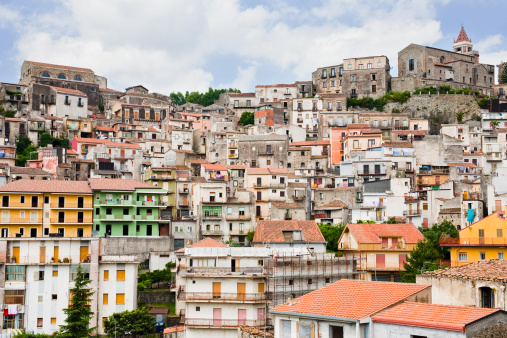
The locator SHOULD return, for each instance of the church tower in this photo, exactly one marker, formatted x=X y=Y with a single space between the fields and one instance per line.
x=463 y=45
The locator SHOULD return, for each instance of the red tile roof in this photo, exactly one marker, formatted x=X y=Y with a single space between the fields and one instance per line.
x=462 y=36
x=53 y=186
x=118 y=184
x=272 y=231
x=372 y=233
x=490 y=270
x=443 y=317
x=463 y=164
x=197 y=161
x=67 y=90
x=208 y=166
x=284 y=205
x=410 y=132
x=310 y=143
x=59 y=66
x=208 y=243
x=266 y=171
x=104 y=128
x=336 y=204
x=351 y=299
x=173 y=329
x=29 y=171
x=110 y=90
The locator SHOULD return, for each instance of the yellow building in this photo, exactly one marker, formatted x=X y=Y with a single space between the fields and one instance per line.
x=381 y=249
x=483 y=240
x=40 y=208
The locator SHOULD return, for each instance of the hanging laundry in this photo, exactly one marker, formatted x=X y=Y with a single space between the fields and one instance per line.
x=6 y=312
x=13 y=309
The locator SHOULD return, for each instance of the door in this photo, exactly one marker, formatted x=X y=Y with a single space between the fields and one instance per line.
x=80 y=202
x=385 y=242
x=35 y=201
x=56 y=252
x=335 y=331
x=377 y=168
x=217 y=317
x=61 y=202
x=241 y=288
x=5 y=201
x=259 y=182
x=5 y=216
x=403 y=259
x=260 y=287
x=125 y=230
x=42 y=254
x=148 y=230
x=33 y=232
x=258 y=211
x=80 y=217
x=108 y=229
x=394 y=242
x=233 y=265
x=15 y=254
x=217 y=290
x=380 y=261
x=61 y=217
x=34 y=215
x=259 y=196
x=481 y=236
x=241 y=316
x=83 y=253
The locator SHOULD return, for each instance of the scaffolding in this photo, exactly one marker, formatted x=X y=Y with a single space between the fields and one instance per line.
x=291 y=275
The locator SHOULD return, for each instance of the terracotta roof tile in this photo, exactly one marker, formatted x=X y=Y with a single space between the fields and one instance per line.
x=183 y=151
x=371 y=131
x=266 y=171
x=490 y=270
x=67 y=90
x=237 y=166
x=104 y=128
x=443 y=317
x=52 y=186
x=284 y=205
x=372 y=233
x=463 y=164
x=410 y=132
x=351 y=299
x=310 y=143
x=272 y=231
x=28 y=171
x=398 y=145
x=14 y=119
x=208 y=166
x=197 y=161
x=450 y=211
x=59 y=66
x=297 y=185
x=118 y=184
x=198 y=179
x=208 y=242
x=336 y=204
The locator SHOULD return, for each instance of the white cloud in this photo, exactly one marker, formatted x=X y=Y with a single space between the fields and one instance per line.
x=490 y=41
x=165 y=45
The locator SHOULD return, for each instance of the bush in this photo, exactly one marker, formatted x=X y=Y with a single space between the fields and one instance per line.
x=379 y=104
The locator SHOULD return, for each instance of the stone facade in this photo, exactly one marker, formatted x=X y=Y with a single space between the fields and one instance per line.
x=264 y=151
x=366 y=77
x=31 y=71
x=327 y=79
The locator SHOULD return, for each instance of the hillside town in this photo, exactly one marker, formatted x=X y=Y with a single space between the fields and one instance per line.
x=352 y=203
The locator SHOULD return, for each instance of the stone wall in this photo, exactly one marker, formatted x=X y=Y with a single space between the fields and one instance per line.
x=437 y=108
x=141 y=247
x=153 y=297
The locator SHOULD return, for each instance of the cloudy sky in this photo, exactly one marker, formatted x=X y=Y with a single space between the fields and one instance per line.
x=194 y=44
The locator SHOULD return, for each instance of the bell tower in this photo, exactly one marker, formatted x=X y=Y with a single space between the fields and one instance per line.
x=463 y=45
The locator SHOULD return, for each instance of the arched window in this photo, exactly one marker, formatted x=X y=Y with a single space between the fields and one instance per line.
x=78 y=78
x=45 y=74
x=62 y=76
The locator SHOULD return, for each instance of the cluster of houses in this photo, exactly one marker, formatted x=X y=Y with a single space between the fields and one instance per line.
x=143 y=182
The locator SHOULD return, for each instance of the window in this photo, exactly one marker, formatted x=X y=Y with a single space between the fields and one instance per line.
x=462 y=256
x=106 y=274
x=324 y=84
x=78 y=78
x=45 y=74
x=236 y=103
x=349 y=66
x=15 y=272
x=373 y=88
x=369 y=66
x=120 y=299
x=410 y=65
x=39 y=322
x=353 y=79
x=120 y=275
x=54 y=297
x=425 y=206
x=105 y=299
x=500 y=256
x=53 y=320
x=248 y=103
x=62 y=76
x=499 y=232
x=356 y=144
x=482 y=256
x=324 y=73
x=38 y=275
x=197 y=308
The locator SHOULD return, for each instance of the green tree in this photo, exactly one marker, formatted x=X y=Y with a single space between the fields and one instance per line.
x=459 y=117
x=332 y=234
x=135 y=323
x=360 y=221
x=437 y=231
x=247 y=118
x=503 y=76
x=45 y=139
x=22 y=142
x=25 y=156
x=177 y=98
x=147 y=279
x=250 y=235
x=391 y=220
x=422 y=258
x=193 y=97
x=79 y=312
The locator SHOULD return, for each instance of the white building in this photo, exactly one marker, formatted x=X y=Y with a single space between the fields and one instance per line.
x=39 y=275
x=69 y=103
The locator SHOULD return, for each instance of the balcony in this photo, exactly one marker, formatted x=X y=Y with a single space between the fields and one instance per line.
x=212 y=216
x=475 y=241
x=27 y=205
x=221 y=296
x=212 y=232
x=214 y=201
x=163 y=178
x=266 y=152
x=67 y=102
x=233 y=144
x=237 y=217
x=115 y=202
x=219 y=179
x=271 y=185
x=73 y=220
x=372 y=173
x=184 y=204
x=225 y=323
x=299 y=120
x=183 y=191
x=71 y=205
x=235 y=155
x=325 y=215
x=494 y=156
x=416 y=212
x=26 y=220
x=124 y=157
x=221 y=270
x=122 y=218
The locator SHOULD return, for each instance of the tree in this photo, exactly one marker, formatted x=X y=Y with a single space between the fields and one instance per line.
x=145 y=280
x=22 y=141
x=177 y=98
x=459 y=117
x=247 y=118
x=360 y=221
x=79 y=312
x=422 y=257
x=45 y=139
x=391 y=220
x=250 y=235
x=25 y=155
x=437 y=231
x=332 y=234
x=503 y=76
x=136 y=323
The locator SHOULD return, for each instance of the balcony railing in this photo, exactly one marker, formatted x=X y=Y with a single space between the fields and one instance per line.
x=7 y=155
x=475 y=241
x=71 y=220
x=225 y=269
x=183 y=203
x=221 y=296
x=118 y=202
x=117 y=217
x=183 y=191
x=71 y=205
x=162 y=177
x=212 y=232
x=16 y=220
x=373 y=172
x=272 y=185
x=232 y=217
x=266 y=152
x=212 y=216
x=416 y=212
x=232 y=323
x=28 y=205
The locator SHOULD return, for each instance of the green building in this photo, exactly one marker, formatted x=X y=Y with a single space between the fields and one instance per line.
x=126 y=207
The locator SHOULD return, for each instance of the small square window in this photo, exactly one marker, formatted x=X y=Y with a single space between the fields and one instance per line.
x=197 y=308
x=54 y=296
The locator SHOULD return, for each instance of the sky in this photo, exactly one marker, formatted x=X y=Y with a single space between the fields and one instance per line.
x=169 y=45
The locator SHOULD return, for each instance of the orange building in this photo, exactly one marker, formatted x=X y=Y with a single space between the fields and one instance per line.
x=338 y=134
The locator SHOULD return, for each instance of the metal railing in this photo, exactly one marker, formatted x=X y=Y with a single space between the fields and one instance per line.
x=225 y=269
x=415 y=212
x=72 y=205
x=73 y=220
x=16 y=220
x=474 y=241
x=28 y=205
x=226 y=322
x=237 y=217
x=259 y=296
x=212 y=232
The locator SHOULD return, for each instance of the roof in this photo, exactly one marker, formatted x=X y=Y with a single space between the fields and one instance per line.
x=237 y=166
x=173 y=329
x=463 y=164
x=208 y=242
x=110 y=90
x=310 y=143
x=118 y=184
x=14 y=119
x=357 y=125
x=336 y=204
x=371 y=131
x=241 y=94
x=104 y=128
x=443 y=317
x=28 y=171
x=159 y=310
x=208 y=166
x=266 y=171
x=490 y=270
x=59 y=66
x=197 y=161
x=272 y=231
x=67 y=90
x=352 y=299
x=462 y=36
x=198 y=179
x=284 y=205
x=398 y=144
x=450 y=211
x=372 y=233
x=410 y=132
x=297 y=185
x=90 y=140
x=277 y=85
x=51 y=186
